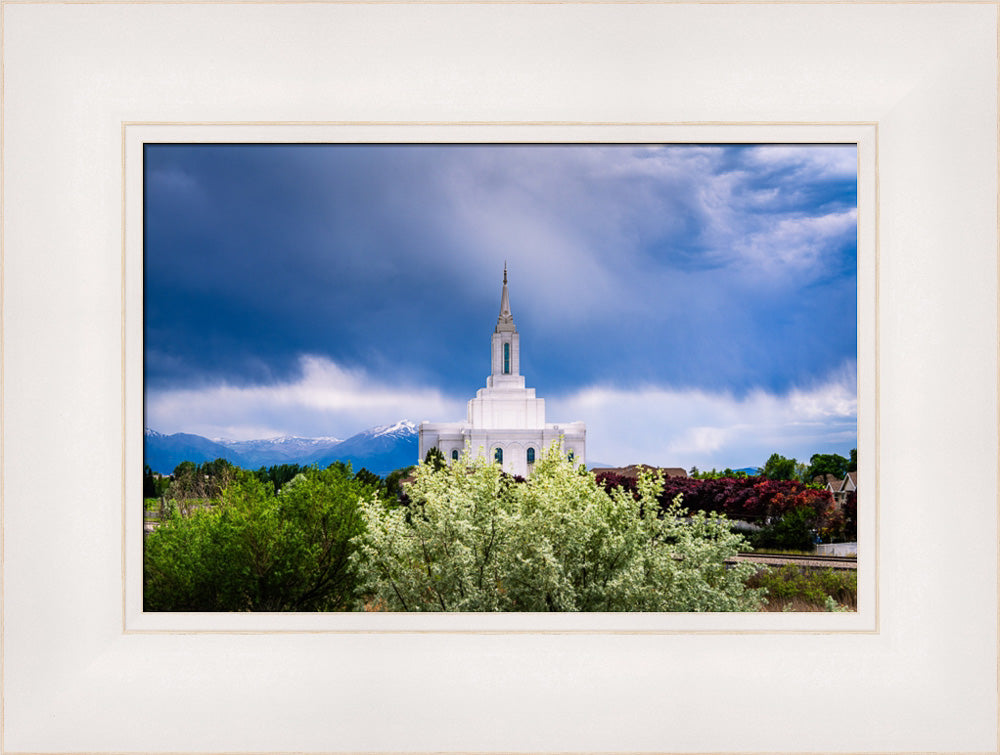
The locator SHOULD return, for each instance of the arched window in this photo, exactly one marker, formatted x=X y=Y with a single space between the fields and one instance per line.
x=454 y=454
x=498 y=455
x=506 y=359
x=531 y=456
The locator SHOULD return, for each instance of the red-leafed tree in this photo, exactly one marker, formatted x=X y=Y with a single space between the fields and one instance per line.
x=752 y=499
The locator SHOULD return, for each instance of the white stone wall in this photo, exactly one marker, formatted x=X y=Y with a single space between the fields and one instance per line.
x=483 y=442
x=517 y=410
x=447 y=436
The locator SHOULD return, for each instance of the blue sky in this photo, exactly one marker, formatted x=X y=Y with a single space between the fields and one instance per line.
x=693 y=304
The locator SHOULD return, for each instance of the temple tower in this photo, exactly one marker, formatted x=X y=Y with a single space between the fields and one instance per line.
x=505 y=421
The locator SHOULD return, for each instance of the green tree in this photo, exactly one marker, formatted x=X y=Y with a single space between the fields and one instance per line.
x=393 y=480
x=824 y=464
x=254 y=550
x=435 y=458
x=193 y=485
x=279 y=474
x=370 y=479
x=148 y=483
x=852 y=465
x=801 y=472
x=153 y=486
x=473 y=539
x=778 y=467
x=796 y=530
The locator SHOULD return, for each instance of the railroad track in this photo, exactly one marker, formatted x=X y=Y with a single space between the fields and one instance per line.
x=809 y=561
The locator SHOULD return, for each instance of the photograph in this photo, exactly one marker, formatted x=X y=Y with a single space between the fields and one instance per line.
x=500 y=377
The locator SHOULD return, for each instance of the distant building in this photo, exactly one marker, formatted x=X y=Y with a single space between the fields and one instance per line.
x=505 y=421
x=839 y=487
x=830 y=482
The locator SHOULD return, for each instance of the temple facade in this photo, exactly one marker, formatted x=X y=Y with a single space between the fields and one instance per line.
x=505 y=421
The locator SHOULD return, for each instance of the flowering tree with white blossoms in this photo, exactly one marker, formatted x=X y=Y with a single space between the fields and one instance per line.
x=474 y=539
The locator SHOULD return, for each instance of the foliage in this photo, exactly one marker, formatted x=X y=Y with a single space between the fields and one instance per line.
x=777 y=467
x=474 y=539
x=824 y=464
x=752 y=499
x=435 y=458
x=254 y=550
x=791 y=513
x=714 y=475
x=279 y=474
x=801 y=472
x=842 y=524
x=191 y=485
x=153 y=486
x=393 y=482
x=370 y=479
x=852 y=465
x=813 y=586
x=794 y=531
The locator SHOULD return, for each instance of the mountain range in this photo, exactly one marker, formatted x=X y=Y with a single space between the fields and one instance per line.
x=379 y=450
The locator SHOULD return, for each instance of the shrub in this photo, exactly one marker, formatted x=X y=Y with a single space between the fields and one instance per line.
x=813 y=587
x=255 y=550
x=752 y=499
x=473 y=539
x=793 y=531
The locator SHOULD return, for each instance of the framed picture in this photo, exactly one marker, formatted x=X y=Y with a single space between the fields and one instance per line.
x=437 y=202
x=88 y=86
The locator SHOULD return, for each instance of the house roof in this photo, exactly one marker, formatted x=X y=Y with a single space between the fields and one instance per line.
x=829 y=480
x=633 y=470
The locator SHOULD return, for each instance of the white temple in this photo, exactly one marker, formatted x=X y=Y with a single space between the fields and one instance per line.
x=505 y=420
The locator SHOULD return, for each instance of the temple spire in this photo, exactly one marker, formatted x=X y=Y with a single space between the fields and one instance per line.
x=506 y=320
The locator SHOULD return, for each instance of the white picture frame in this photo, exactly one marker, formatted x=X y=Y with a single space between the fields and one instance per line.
x=914 y=669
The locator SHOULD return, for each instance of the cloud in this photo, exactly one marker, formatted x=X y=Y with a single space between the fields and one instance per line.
x=688 y=428
x=324 y=400
x=798 y=242
x=823 y=162
x=709 y=267
x=653 y=424
x=605 y=219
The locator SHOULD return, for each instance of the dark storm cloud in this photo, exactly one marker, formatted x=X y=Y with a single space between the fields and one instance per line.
x=711 y=268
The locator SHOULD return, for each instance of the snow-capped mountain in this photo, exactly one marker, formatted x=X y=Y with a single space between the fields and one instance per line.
x=286 y=449
x=379 y=449
x=164 y=452
x=401 y=429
